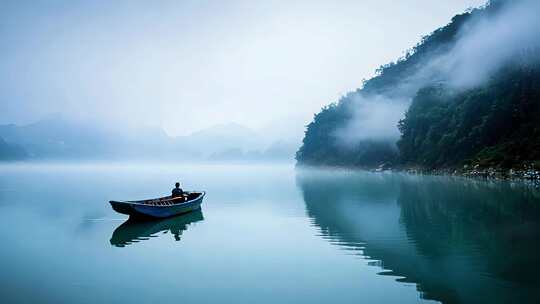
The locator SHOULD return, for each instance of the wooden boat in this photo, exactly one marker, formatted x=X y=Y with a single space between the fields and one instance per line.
x=160 y=207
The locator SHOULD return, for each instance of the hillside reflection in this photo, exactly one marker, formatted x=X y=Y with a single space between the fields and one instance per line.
x=136 y=230
x=460 y=241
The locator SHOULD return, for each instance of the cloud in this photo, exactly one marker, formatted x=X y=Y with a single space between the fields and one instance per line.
x=487 y=43
x=373 y=118
x=490 y=40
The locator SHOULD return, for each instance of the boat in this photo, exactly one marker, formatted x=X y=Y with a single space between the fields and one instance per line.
x=135 y=230
x=166 y=206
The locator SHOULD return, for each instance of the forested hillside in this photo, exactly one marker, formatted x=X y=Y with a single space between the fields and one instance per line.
x=494 y=125
x=468 y=100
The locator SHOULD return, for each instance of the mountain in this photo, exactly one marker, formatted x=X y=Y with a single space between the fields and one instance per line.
x=222 y=137
x=234 y=142
x=57 y=137
x=496 y=125
x=468 y=93
x=279 y=150
x=60 y=138
x=322 y=146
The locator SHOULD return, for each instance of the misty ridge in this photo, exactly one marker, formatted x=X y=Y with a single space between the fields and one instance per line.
x=60 y=138
x=474 y=51
x=484 y=44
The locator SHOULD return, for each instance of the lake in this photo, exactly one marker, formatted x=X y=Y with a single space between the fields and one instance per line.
x=266 y=234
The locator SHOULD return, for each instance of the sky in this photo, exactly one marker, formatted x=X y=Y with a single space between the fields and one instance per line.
x=188 y=65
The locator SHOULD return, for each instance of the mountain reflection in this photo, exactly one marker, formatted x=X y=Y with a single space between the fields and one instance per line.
x=135 y=230
x=460 y=241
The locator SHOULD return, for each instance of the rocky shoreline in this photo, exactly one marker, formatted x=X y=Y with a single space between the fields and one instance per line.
x=527 y=172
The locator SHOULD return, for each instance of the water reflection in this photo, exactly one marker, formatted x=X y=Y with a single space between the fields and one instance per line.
x=460 y=241
x=135 y=230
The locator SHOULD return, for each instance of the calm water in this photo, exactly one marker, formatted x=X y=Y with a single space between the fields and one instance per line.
x=266 y=234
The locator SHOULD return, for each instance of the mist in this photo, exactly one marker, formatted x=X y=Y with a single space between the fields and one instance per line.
x=373 y=117
x=487 y=43
x=248 y=62
x=135 y=80
x=511 y=36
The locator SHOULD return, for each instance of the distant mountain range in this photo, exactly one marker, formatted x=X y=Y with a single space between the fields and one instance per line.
x=59 y=138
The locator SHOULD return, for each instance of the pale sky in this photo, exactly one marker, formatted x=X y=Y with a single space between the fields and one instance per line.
x=188 y=65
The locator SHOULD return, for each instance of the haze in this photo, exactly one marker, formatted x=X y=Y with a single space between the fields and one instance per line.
x=487 y=44
x=188 y=65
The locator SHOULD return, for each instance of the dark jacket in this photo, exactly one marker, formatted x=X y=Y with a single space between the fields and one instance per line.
x=176 y=192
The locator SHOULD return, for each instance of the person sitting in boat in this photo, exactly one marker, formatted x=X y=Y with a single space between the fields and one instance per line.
x=177 y=191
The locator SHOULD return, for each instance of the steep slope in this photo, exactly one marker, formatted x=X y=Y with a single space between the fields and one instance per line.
x=321 y=144
x=496 y=125
x=470 y=94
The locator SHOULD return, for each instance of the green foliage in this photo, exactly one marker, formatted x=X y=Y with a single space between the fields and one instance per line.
x=438 y=42
x=493 y=125
x=496 y=124
x=319 y=145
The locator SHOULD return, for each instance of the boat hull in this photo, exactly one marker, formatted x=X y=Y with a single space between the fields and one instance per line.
x=145 y=210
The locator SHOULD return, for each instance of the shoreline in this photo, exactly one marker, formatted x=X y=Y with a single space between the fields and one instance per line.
x=529 y=174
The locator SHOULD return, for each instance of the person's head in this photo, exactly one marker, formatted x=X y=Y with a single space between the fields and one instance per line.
x=177 y=185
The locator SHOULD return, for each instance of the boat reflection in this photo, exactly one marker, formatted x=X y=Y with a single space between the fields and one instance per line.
x=460 y=241
x=136 y=229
